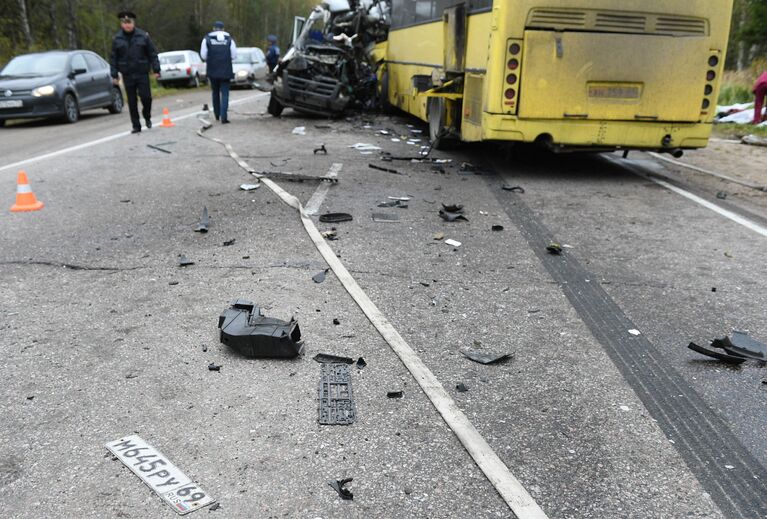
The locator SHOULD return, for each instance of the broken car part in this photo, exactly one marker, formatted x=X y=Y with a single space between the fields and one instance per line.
x=320 y=276
x=336 y=397
x=249 y=187
x=740 y=344
x=158 y=148
x=325 y=358
x=361 y=363
x=214 y=367
x=496 y=228
x=453 y=243
x=338 y=486
x=395 y=394
x=183 y=261
x=229 y=243
x=335 y=217
x=253 y=335
x=387 y=170
x=204 y=221
x=295 y=177
x=321 y=149
x=724 y=357
x=554 y=248
x=513 y=189
x=485 y=358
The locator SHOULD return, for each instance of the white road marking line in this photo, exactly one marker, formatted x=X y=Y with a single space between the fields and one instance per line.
x=312 y=207
x=745 y=222
x=108 y=138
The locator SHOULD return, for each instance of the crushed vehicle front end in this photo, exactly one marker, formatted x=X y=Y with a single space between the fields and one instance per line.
x=330 y=68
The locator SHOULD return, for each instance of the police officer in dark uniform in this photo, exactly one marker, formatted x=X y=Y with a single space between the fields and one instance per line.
x=219 y=50
x=133 y=56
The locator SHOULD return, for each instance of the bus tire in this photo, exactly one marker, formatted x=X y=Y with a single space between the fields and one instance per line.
x=275 y=107
x=437 y=114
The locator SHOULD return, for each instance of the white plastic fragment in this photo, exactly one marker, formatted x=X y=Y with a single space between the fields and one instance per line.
x=299 y=130
x=452 y=242
x=729 y=467
x=249 y=187
x=635 y=332
x=625 y=408
x=363 y=146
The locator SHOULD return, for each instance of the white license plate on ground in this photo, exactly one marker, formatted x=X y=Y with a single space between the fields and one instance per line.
x=159 y=474
x=16 y=103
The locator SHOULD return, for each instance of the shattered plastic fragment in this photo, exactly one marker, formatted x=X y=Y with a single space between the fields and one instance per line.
x=228 y=243
x=249 y=187
x=635 y=332
x=724 y=357
x=485 y=358
x=513 y=189
x=361 y=363
x=214 y=367
x=497 y=227
x=336 y=395
x=204 y=221
x=335 y=217
x=742 y=345
x=361 y=146
x=338 y=486
x=453 y=243
x=325 y=358
x=451 y=217
x=253 y=335
x=183 y=261
x=322 y=149
x=299 y=130
x=461 y=388
x=554 y=249
x=320 y=276
x=385 y=217
x=387 y=170
x=395 y=394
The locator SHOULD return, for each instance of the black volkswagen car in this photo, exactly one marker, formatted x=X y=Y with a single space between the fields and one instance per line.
x=57 y=84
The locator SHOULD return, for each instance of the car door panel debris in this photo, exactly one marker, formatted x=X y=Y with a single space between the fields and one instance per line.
x=485 y=358
x=204 y=221
x=244 y=329
x=338 y=486
x=336 y=395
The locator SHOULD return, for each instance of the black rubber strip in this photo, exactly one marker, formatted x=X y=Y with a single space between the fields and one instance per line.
x=700 y=435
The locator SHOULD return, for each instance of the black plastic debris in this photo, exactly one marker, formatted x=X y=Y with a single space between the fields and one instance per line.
x=740 y=344
x=554 y=249
x=320 y=276
x=395 y=394
x=452 y=212
x=338 y=486
x=387 y=170
x=453 y=208
x=205 y=107
x=496 y=228
x=485 y=358
x=335 y=217
x=228 y=243
x=326 y=358
x=215 y=506
x=183 y=261
x=322 y=149
x=173 y=283
x=724 y=357
x=253 y=335
x=214 y=367
x=461 y=388
x=204 y=221
x=361 y=363
x=336 y=396
x=154 y=147
x=336 y=322
x=722 y=195
x=513 y=189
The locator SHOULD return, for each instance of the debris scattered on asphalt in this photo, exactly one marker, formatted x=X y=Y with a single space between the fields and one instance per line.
x=485 y=358
x=361 y=363
x=635 y=332
x=722 y=195
x=735 y=349
x=461 y=388
x=453 y=243
x=395 y=394
x=322 y=149
x=336 y=395
x=326 y=358
x=215 y=506
x=330 y=235
x=204 y=348
x=335 y=217
x=554 y=248
x=385 y=217
x=497 y=227
x=253 y=335
x=394 y=203
x=729 y=254
x=320 y=276
x=513 y=189
x=228 y=243
x=125 y=201
x=362 y=146
x=336 y=322
x=249 y=187
x=387 y=170
x=299 y=130
x=183 y=261
x=154 y=147
x=204 y=221
x=338 y=486
x=173 y=283
x=452 y=212
x=214 y=367
x=724 y=357
x=439 y=236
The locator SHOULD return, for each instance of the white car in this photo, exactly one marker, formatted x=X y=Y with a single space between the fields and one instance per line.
x=249 y=67
x=181 y=66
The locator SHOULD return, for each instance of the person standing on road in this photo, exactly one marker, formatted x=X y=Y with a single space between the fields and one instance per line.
x=133 y=55
x=272 y=52
x=219 y=50
x=760 y=95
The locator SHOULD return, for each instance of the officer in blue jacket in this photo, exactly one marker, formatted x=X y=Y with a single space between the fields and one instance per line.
x=133 y=56
x=272 y=53
x=219 y=50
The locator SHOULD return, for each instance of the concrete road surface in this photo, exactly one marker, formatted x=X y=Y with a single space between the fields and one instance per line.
x=602 y=411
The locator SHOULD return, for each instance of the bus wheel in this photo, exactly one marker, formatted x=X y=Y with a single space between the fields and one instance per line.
x=437 y=129
x=275 y=107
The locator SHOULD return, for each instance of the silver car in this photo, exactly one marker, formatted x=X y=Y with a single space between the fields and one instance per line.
x=249 y=67
x=181 y=67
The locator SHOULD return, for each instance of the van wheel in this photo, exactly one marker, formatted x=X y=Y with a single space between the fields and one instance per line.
x=195 y=81
x=71 y=110
x=116 y=106
x=275 y=107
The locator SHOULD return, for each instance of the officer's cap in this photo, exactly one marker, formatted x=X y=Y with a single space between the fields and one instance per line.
x=125 y=15
x=218 y=25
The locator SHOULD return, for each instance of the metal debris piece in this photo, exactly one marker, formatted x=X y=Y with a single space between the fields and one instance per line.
x=554 y=248
x=335 y=217
x=296 y=177
x=461 y=388
x=385 y=217
x=204 y=221
x=338 y=486
x=496 y=228
x=214 y=367
x=395 y=394
x=485 y=358
x=228 y=243
x=183 y=261
x=724 y=357
x=336 y=397
x=320 y=276
x=740 y=344
x=322 y=149
x=361 y=363
x=253 y=335
x=326 y=358
x=387 y=170
x=513 y=189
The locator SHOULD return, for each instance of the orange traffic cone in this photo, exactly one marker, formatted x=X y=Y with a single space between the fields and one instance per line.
x=166 y=122
x=25 y=198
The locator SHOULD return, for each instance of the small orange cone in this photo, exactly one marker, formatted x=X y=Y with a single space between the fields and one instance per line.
x=166 y=122
x=25 y=198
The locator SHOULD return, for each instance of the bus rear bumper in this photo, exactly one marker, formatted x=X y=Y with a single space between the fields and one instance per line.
x=597 y=134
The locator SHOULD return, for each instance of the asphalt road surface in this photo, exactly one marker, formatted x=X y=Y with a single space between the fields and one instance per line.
x=602 y=411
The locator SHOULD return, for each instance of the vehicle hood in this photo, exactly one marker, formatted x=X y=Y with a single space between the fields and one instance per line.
x=241 y=66
x=26 y=83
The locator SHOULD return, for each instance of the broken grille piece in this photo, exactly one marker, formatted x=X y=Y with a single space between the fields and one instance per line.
x=336 y=399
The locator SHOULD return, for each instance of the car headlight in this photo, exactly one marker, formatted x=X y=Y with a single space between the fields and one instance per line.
x=46 y=90
x=242 y=73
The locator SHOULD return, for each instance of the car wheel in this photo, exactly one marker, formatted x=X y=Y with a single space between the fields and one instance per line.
x=116 y=106
x=2 y=123
x=275 y=107
x=71 y=110
x=195 y=81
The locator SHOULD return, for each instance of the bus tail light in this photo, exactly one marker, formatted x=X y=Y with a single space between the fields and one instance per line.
x=714 y=65
x=512 y=74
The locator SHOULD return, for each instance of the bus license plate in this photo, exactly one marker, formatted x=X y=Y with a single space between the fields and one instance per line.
x=159 y=474
x=11 y=104
x=615 y=90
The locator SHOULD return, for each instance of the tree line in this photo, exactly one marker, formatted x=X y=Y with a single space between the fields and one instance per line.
x=748 y=34
x=37 y=25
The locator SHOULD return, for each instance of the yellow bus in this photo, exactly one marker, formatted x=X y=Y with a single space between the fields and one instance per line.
x=571 y=74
